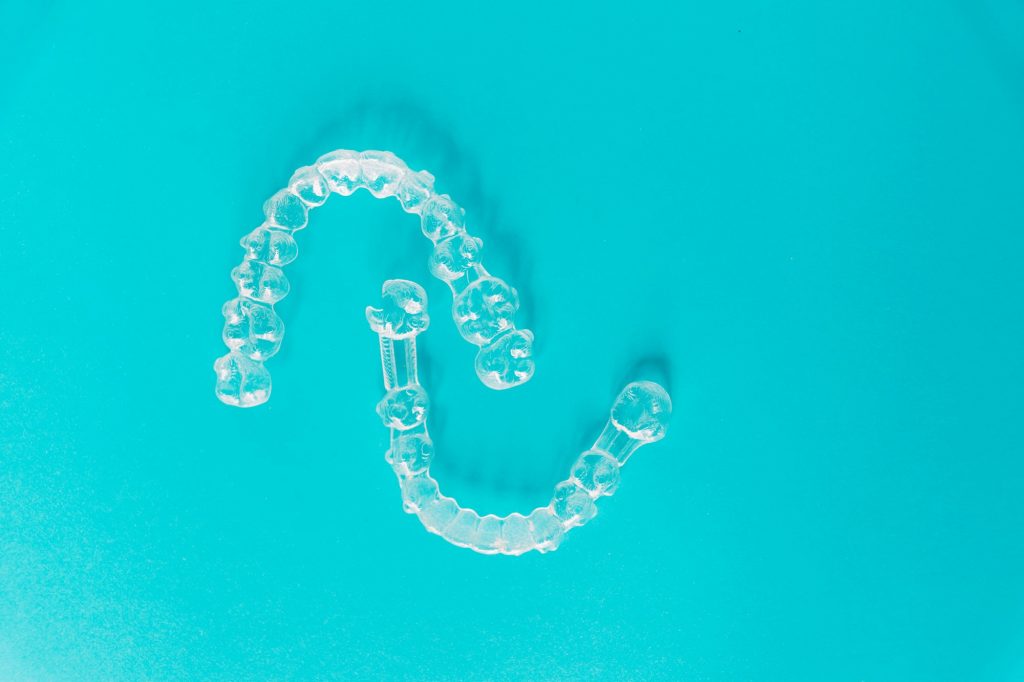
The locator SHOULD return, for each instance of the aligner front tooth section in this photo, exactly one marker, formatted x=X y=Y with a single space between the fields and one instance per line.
x=403 y=408
x=270 y=246
x=441 y=218
x=382 y=172
x=462 y=531
x=286 y=211
x=310 y=186
x=507 y=361
x=260 y=282
x=488 y=535
x=252 y=328
x=342 y=171
x=418 y=492
x=515 y=535
x=438 y=513
x=485 y=309
x=241 y=381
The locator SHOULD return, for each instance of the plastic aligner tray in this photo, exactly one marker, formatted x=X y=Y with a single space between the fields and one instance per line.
x=484 y=306
x=483 y=309
x=639 y=416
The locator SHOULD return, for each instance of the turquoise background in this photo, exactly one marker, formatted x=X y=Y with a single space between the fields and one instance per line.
x=804 y=217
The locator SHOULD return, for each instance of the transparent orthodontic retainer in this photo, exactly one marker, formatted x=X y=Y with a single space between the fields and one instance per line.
x=483 y=310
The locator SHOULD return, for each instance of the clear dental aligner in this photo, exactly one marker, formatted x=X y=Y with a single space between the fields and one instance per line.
x=639 y=416
x=483 y=308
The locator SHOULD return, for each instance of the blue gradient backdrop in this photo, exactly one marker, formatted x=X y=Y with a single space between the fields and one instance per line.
x=804 y=217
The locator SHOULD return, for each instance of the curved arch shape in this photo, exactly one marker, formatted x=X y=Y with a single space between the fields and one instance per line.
x=639 y=416
x=484 y=306
x=483 y=310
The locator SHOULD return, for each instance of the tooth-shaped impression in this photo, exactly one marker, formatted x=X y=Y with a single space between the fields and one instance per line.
x=485 y=305
x=483 y=309
x=639 y=416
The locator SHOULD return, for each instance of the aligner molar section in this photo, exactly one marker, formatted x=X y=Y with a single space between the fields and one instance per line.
x=507 y=361
x=453 y=257
x=252 y=328
x=286 y=211
x=403 y=311
x=572 y=504
x=413 y=191
x=441 y=218
x=597 y=472
x=411 y=454
x=642 y=411
x=241 y=381
x=260 y=282
x=546 y=529
x=270 y=246
x=403 y=408
x=418 y=492
x=485 y=309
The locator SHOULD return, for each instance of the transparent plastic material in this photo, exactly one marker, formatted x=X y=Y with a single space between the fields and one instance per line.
x=484 y=306
x=639 y=416
x=483 y=310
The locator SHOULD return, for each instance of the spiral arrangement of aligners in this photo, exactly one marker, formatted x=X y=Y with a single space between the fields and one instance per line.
x=484 y=306
x=639 y=416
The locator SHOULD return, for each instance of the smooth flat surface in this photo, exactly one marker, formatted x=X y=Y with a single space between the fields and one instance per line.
x=806 y=220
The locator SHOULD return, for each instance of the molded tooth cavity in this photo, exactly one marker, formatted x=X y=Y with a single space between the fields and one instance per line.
x=310 y=186
x=382 y=172
x=241 y=381
x=413 y=190
x=252 y=328
x=404 y=410
x=286 y=211
x=507 y=361
x=260 y=282
x=485 y=309
x=455 y=256
x=270 y=246
x=342 y=171
x=442 y=217
x=403 y=311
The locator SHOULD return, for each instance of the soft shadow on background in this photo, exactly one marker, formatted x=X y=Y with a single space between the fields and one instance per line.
x=802 y=219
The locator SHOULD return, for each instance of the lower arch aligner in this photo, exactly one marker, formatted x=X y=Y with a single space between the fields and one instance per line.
x=639 y=416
